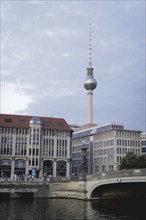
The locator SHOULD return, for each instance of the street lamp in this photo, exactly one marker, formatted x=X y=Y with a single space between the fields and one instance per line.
x=84 y=161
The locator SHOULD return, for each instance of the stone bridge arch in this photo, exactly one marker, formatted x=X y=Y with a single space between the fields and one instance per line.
x=116 y=188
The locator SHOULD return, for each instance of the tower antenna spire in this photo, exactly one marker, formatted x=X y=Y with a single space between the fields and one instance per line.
x=90 y=46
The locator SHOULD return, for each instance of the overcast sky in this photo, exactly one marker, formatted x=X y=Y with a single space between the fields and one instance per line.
x=44 y=56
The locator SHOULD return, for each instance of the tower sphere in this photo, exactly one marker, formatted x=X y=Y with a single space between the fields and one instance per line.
x=90 y=83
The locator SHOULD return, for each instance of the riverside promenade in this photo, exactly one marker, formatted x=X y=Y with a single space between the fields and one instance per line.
x=117 y=184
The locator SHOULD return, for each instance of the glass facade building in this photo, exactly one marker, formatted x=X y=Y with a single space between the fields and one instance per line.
x=107 y=145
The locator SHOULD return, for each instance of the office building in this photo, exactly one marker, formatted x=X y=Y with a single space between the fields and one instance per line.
x=34 y=145
x=106 y=146
x=143 y=143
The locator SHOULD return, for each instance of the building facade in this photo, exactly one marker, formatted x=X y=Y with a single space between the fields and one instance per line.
x=34 y=146
x=143 y=143
x=106 y=146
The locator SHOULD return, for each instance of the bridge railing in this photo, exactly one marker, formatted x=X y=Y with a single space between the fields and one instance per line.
x=35 y=180
x=119 y=173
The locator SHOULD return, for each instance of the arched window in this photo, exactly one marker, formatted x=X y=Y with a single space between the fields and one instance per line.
x=61 y=168
x=5 y=168
x=20 y=166
x=48 y=167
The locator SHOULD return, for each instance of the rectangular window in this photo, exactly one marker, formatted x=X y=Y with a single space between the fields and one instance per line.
x=59 y=124
x=103 y=168
x=21 y=121
x=8 y=120
x=47 y=123
x=96 y=168
x=143 y=143
x=110 y=168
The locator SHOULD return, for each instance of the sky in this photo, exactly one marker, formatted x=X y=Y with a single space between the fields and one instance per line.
x=45 y=55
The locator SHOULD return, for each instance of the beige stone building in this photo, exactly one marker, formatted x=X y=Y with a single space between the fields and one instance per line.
x=34 y=146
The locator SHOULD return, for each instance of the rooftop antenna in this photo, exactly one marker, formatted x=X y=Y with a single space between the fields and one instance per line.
x=90 y=46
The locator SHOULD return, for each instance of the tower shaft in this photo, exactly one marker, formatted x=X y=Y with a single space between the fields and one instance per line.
x=90 y=107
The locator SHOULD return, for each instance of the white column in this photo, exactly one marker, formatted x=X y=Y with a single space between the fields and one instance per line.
x=26 y=168
x=68 y=168
x=90 y=107
x=41 y=170
x=12 y=167
x=54 y=168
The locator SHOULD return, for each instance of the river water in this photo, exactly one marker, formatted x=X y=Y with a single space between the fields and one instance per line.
x=72 y=209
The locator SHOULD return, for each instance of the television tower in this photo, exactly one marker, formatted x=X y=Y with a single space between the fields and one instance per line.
x=90 y=83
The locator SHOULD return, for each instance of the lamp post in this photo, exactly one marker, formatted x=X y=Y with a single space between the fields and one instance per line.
x=84 y=161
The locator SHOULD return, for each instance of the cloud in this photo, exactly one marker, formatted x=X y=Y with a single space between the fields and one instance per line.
x=13 y=99
x=45 y=49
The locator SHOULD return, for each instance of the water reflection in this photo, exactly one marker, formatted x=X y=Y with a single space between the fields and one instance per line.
x=122 y=209
x=71 y=209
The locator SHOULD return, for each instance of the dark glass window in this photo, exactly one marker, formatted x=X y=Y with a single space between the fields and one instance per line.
x=8 y=120
x=59 y=123
x=143 y=143
x=47 y=123
x=21 y=121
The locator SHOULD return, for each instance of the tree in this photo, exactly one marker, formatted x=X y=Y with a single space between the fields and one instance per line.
x=141 y=161
x=132 y=161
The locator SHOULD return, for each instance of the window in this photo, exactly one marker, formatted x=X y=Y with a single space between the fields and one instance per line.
x=103 y=168
x=21 y=121
x=59 y=123
x=36 y=161
x=8 y=120
x=143 y=143
x=20 y=163
x=96 y=168
x=47 y=123
x=110 y=168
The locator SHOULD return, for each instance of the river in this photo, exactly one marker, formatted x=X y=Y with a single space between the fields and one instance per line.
x=72 y=209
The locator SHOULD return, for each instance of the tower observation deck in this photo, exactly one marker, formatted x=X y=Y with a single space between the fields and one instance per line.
x=90 y=83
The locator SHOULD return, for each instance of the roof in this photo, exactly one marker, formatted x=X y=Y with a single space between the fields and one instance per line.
x=22 y=121
x=100 y=129
x=83 y=133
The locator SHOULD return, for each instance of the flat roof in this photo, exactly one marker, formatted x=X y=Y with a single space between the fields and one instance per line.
x=101 y=128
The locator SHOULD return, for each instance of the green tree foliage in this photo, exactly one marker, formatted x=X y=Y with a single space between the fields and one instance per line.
x=132 y=161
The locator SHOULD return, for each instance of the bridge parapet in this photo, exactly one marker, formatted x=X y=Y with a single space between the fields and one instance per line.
x=116 y=174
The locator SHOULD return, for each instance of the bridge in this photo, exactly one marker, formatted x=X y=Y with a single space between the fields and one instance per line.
x=117 y=184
